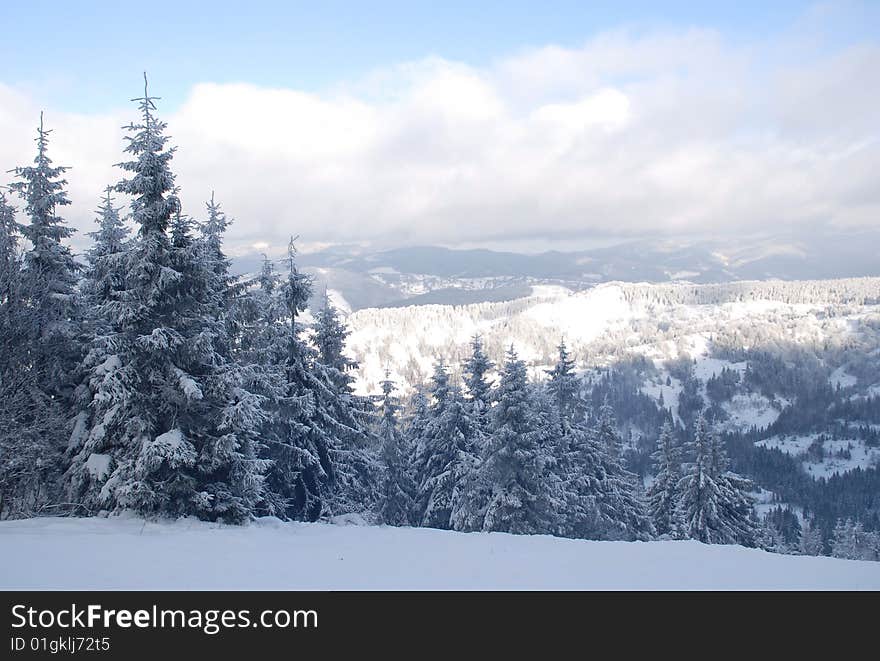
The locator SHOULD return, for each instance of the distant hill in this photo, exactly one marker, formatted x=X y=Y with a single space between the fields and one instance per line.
x=432 y=274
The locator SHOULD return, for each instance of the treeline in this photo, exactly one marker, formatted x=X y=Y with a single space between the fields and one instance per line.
x=843 y=291
x=540 y=458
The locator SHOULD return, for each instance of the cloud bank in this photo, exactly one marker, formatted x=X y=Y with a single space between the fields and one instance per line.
x=670 y=133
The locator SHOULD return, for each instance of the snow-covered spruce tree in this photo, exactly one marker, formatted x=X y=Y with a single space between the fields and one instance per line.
x=517 y=466
x=579 y=456
x=104 y=279
x=851 y=541
x=811 y=542
x=300 y=476
x=49 y=276
x=212 y=232
x=663 y=493
x=174 y=426
x=397 y=506
x=230 y=422
x=768 y=537
x=330 y=336
x=355 y=449
x=843 y=540
x=624 y=513
x=417 y=420
x=10 y=284
x=23 y=472
x=104 y=276
x=564 y=387
x=102 y=284
x=715 y=509
x=476 y=370
x=316 y=444
x=227 y=291
x=445 y=452
x=45 y=338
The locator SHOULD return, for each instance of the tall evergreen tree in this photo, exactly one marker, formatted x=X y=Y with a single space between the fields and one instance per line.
x=516 y=465
x=315 y=440
x=301 y=476
x=476 y=369
x=580 y=457
x=663 y=493
x=714 y=507
x=330 y=336
x=624 y=512
x=564 y=387
x=227 y=291
x=355 y=448
x=445 y=452
x=104 y=277
x=10 y=284
x=397 y=506
x=174 y=427
x=103 y=284
x=811 y=542
x=23 y=420
x=50 y=274
x=42 y=315
x=843 y=540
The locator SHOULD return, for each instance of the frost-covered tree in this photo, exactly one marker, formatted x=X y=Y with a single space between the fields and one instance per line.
x=10 y=284
x=174 y=426
x=811 y=542
x=476 y=370
x=663 y=493
x=314 y=438
x=300 y=478
x=40 y=321
x=103 y=284
x=445 y=453
x=416 y=421
x=28 y=417
x=851 y=541
x=50 y=274
x=714 y=505
x=227 y=292
x=330 y=337
x=517 y=468
x=768 y=537
x=397 y=505
x=104 y=276
x=212 y=233
x=843 y=542
x=349 y=417
x=579 y=457
x=621 y=503
x=564 y=387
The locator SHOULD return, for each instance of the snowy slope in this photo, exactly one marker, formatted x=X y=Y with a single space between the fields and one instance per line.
x=122 y=553
x=616 y=320
x=859 y=455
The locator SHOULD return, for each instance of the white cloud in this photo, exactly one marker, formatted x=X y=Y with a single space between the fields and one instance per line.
x=672 y=132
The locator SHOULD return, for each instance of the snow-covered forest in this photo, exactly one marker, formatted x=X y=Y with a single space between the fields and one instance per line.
x=144 y=377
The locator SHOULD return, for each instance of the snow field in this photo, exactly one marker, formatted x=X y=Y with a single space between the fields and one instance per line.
x=128 y=553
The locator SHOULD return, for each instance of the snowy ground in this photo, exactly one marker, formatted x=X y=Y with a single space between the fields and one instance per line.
x=122 y=553
x=796 y=445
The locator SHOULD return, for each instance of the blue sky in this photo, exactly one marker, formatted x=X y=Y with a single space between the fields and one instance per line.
x=464 y=123
x=87 y=55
